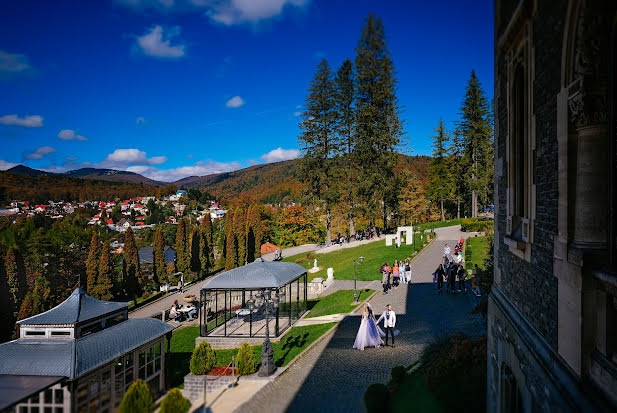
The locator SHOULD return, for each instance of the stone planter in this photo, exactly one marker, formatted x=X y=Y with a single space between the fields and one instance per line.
x=194 y=385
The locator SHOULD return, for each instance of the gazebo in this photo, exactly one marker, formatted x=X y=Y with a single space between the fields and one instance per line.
x=228 y=300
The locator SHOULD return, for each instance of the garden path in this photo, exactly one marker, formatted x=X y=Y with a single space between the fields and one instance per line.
x=333 y=376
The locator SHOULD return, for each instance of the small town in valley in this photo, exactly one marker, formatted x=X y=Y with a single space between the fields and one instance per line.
x=307 y=206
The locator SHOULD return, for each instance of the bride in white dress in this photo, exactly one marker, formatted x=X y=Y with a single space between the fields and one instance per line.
x=369 y=335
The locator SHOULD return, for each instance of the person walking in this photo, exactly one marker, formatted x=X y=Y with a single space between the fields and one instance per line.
x=461 y=279
x=384 y=277
x=440 y=274
x=451 y=278
x=395 y=274
x=408 y=271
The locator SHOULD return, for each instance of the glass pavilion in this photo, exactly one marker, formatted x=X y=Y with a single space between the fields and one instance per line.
x=227 y=299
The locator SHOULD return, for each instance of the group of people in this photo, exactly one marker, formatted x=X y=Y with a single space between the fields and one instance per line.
x=393 y=276
x=177 y=315
x=453 y=268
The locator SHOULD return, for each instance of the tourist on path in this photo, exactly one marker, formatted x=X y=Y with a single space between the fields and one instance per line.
x=407 y=271
x=461 y=278
x=440 y=274
x=385 y=279
x=451 y=278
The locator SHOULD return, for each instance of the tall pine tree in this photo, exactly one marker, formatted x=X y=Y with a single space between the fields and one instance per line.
x=92 y=263
x=158 y=257
x=344 y=101
x=240 y=234
x=104 y=282
x=6 y=311
x=378 y=127
x=130 y=268
x=231 y=246
x=204 y=247
x=319 y=143
x=207 y=223
x=41 y=296
x=183 y=258
x=440 y=186
x=477 y=143
x=195 y=253
x=224 y=241
x=16 y=276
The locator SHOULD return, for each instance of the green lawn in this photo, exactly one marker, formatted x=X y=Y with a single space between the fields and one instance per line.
x=413 y=392
x=476 y=250
x=374 y=253
x=338 y=302
x=183 y=343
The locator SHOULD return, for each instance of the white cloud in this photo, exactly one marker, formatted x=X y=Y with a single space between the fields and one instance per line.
x=69 y=135
x=280 y=154
x=41 y=152
x=34 y=121
x=123 y=157
x=4 y=165
x=198 y=169
x=140 y=120
x=297 y=113
x=157 y=43
x=235 y=102
x=13 y=63
x=230 y=12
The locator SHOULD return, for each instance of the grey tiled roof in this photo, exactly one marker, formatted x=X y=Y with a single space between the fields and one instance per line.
x=74 y=358
x=77 y=308
x=258 y=274
x=146 y=255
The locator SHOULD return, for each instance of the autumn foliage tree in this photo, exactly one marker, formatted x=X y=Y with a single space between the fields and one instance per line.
x=239 y=229
x=92 y=263
x=6 y=313
x=104 y=282
x=16 y=276
x=206 y=257
x=131 y=265
x=158 y=252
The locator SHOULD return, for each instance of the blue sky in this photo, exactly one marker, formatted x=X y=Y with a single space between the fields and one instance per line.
x=172 y=88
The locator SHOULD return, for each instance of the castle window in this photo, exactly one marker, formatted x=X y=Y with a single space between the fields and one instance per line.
x=520 y=142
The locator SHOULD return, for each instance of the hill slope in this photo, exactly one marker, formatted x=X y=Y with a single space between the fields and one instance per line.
x=272 y=182
x=113 y=176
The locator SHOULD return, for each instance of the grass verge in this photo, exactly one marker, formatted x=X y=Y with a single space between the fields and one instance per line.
x=339 y=302
x=285 y=350
x=476 y=251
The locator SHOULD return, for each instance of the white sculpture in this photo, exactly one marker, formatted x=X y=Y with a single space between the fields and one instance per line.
x=330 y=273
x=315 y=267
x=315 y=263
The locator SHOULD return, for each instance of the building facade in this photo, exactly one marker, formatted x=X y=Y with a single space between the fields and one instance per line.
x=552 y=318
x=90 y=351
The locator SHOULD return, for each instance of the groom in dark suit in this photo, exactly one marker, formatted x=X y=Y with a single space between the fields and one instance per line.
x=389 y=322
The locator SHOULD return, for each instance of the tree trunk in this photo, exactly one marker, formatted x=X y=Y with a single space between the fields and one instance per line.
x=352 y=229
x=474 y=203
x=385 y=217
x=328 y=227
x=442 y=216
x=458 y=209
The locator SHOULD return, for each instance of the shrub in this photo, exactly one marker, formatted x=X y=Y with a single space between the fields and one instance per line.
x=137 y=399
x=245 y=360
x=398 y=374
x=145 y=295
x=203 y=359
x=473 y=225
x=174 y=402
x=377 y=398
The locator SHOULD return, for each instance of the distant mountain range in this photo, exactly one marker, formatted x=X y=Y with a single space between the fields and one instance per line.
x=268 y=183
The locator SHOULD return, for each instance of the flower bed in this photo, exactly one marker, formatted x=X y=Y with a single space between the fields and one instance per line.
x=223 y=371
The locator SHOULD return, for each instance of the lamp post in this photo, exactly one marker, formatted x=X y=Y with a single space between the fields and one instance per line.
x=355 y=292
x=270 y=304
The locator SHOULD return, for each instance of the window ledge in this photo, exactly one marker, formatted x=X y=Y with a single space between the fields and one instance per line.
x=519 y=248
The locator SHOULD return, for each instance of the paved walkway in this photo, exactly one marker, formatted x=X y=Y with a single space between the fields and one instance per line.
x=333 y=376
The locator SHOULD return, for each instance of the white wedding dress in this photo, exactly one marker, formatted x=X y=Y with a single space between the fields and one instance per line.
x=369 y=335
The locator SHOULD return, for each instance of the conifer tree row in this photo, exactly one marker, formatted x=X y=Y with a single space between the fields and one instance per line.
x=131 y=268
x=92 y=263
x=159 y=269
x=104 y=284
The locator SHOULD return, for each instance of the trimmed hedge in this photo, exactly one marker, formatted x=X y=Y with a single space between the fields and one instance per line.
x=175 y=402
x=137 y=399
x=473 y=225
x=203 y=359
x=245 y=360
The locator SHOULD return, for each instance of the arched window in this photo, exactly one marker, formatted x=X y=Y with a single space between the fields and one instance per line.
x=511 y=401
